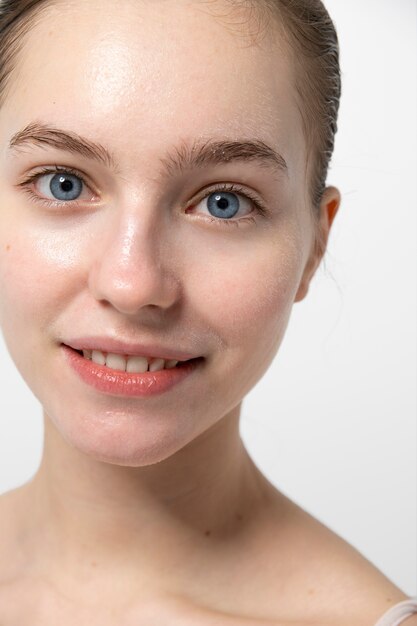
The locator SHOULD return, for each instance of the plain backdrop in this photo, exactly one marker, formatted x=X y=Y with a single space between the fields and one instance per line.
x=333 y=422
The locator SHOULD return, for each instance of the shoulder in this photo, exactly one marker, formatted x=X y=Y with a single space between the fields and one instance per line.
x=11 y=510
x=12 y=565
x=8 y=506
x=331 y=581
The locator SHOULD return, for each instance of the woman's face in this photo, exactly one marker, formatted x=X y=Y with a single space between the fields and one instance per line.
x=141 y=251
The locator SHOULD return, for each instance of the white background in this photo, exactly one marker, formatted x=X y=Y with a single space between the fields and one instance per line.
x=333 y=422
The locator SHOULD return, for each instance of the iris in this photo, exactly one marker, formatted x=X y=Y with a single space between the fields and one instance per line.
x=68 y=185
x=223 y=204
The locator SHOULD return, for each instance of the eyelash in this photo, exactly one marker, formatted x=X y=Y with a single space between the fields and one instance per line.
x=260 y=207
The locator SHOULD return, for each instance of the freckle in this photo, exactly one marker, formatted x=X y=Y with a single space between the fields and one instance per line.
x=7 y=248
x=239 y=517
x=93 y=563
x=207 y=533
x=310 y=592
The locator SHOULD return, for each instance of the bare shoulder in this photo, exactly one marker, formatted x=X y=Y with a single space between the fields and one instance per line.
x=333 y=582
x=10 y=505
x=12 y=561
x=293 y=570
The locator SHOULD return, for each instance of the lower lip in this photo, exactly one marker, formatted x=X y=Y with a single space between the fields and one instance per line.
x=118 y=383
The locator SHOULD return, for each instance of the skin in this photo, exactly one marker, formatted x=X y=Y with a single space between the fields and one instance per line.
x=153 y=507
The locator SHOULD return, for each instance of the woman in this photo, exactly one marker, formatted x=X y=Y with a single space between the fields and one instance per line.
x=163 y=205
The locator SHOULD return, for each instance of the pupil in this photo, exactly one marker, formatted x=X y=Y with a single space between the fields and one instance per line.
x=223 y=203
x=66 y=185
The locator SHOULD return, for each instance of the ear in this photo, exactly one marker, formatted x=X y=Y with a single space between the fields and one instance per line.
x=329 y=206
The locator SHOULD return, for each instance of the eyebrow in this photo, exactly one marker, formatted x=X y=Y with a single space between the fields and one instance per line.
x=68 y=141
x=187 y=156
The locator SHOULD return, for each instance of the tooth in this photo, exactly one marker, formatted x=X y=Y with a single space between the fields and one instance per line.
x=87 y=354
x=137 y=364
x=116 y=362
x=156 y=365
x=170 y=364
x=98 y=357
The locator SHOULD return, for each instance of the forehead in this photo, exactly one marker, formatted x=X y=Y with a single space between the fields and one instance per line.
x=139 y=74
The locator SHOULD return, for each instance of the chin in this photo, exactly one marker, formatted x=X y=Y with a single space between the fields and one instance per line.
x=118 y=438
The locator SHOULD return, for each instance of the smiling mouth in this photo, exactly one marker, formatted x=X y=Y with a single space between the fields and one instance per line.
x=137 y=380
x=132 y=364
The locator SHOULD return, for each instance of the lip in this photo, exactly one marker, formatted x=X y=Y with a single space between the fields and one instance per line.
x=116 y=346
x=114 y=382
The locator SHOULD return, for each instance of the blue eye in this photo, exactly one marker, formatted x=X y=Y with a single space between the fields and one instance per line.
x=226 y=201
x=223 y=204
x=58 y=186
x=65 y=186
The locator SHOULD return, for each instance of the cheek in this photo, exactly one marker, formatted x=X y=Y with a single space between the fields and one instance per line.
x=249 y=292
x=246 y=295
x=32 y=283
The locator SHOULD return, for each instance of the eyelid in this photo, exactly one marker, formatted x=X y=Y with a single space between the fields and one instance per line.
x=235 y=188
x=260 y=207
x=56 y=169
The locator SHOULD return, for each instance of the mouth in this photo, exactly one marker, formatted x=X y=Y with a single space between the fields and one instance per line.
x=136 y=376
x=131 y=364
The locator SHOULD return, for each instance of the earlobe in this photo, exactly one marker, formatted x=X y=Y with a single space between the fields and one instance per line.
x=329 y=206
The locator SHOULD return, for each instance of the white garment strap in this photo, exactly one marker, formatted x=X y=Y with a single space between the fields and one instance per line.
x=398 y=613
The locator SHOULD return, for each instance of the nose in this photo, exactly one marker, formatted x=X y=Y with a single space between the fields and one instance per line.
x=132 y=265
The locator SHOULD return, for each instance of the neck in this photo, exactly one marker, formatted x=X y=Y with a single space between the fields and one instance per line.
x=149 y=522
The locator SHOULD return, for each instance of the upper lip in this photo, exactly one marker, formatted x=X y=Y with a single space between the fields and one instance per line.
x=117 y=346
